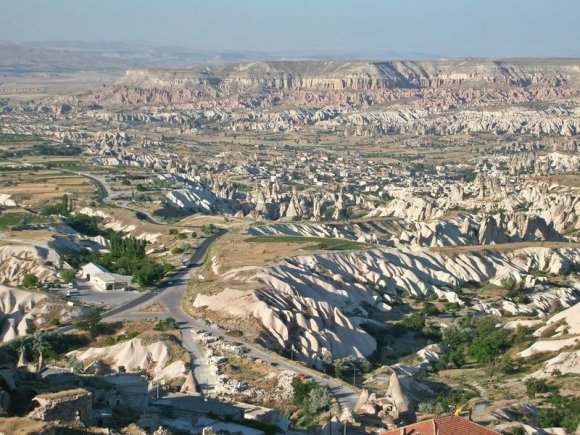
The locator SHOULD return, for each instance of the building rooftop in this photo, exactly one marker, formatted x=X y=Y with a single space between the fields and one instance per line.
x=444 y=425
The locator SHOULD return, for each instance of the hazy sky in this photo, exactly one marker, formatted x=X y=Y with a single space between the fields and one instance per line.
x=443 y=28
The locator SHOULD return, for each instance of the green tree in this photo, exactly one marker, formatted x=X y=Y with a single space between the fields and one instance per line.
x=562 y=411
x=68 y=275
x=415 y=321
x=85 y=224
x=39 y=344
x=301 y=391
x=454 y=337
x=29 y=280
x=91 y=324
x=539 y=386
x=486 y=348
x=319 y=398
x=148 y=273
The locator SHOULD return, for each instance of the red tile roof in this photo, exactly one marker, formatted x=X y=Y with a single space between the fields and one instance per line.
x=445 y=425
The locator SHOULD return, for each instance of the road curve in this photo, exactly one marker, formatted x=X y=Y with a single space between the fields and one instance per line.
x=104 y=195
x=171 y=292
x=172 y=297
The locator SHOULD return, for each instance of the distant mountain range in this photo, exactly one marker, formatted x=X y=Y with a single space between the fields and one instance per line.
x=66 y=57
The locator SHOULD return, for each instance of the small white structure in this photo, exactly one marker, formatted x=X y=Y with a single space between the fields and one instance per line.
x=104 y=280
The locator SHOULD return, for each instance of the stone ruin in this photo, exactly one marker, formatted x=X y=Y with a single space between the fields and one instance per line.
x=68 y=405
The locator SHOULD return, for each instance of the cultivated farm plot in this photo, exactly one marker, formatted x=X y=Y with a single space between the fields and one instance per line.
x=35 y=188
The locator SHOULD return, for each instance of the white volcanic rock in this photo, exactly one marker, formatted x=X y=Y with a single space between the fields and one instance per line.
x=211 y=197
x=191 y=200
x=314 y=327
x=459 y=231
x=16 y=310
x=134 y=355
x=413 y=209
x=7 y=200
x=307 y=301
x=109 y=221
x=570 y=317
x=514 y=324
x=17 y=260
x=564 y=363
x=542 y=302
x=379 y=232
x=402 y=402
x=549 y=346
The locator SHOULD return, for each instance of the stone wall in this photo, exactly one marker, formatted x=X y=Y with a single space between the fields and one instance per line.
x=69 y=405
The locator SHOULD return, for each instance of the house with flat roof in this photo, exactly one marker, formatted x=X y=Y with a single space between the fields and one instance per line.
x=104 y=280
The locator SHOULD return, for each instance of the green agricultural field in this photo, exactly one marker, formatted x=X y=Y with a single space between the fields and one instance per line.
x=9 y=220
x=318 y=243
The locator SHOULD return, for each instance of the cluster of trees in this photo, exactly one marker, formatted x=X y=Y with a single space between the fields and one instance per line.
x=126 y=257
x=62 y=208
x=208 y=230
x=30 y=280
x=417 y=322
x=311 y=398
x=68 y=275
x=46 y=149
x=92 y=324
x=126 y=246
x=85 y=224
x=166 y=325
x=555 y=410
x=475 y=340
x=182 y=236
x=515 y=290
x=49 y=344
x=448 y=400
x=418 y=168
x=181 y=249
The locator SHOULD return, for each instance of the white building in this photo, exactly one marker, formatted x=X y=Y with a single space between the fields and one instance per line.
x=104 y=280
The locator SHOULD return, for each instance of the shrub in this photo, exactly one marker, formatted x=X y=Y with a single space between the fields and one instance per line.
x=415 y=321
x=68 y=275
x=538 y=386
x=564 y=411
x=29 y=281
x=166 y=324
x=430 y=309
x=91 y=324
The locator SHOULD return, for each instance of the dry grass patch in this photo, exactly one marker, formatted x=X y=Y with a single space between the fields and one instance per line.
x=232 y=251
x=37 y=188
x=23 y=426
x=251 y=372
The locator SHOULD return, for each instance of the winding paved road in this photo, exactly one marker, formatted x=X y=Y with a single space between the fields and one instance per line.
x=171 y=295
x=104 y=195
x=171 y=292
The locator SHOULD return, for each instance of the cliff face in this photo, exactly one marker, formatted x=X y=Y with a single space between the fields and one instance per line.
x=359 y=76
x=524 y=96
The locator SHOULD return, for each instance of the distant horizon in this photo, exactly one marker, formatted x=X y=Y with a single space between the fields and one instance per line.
x=434 y=29
x=312 y=55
